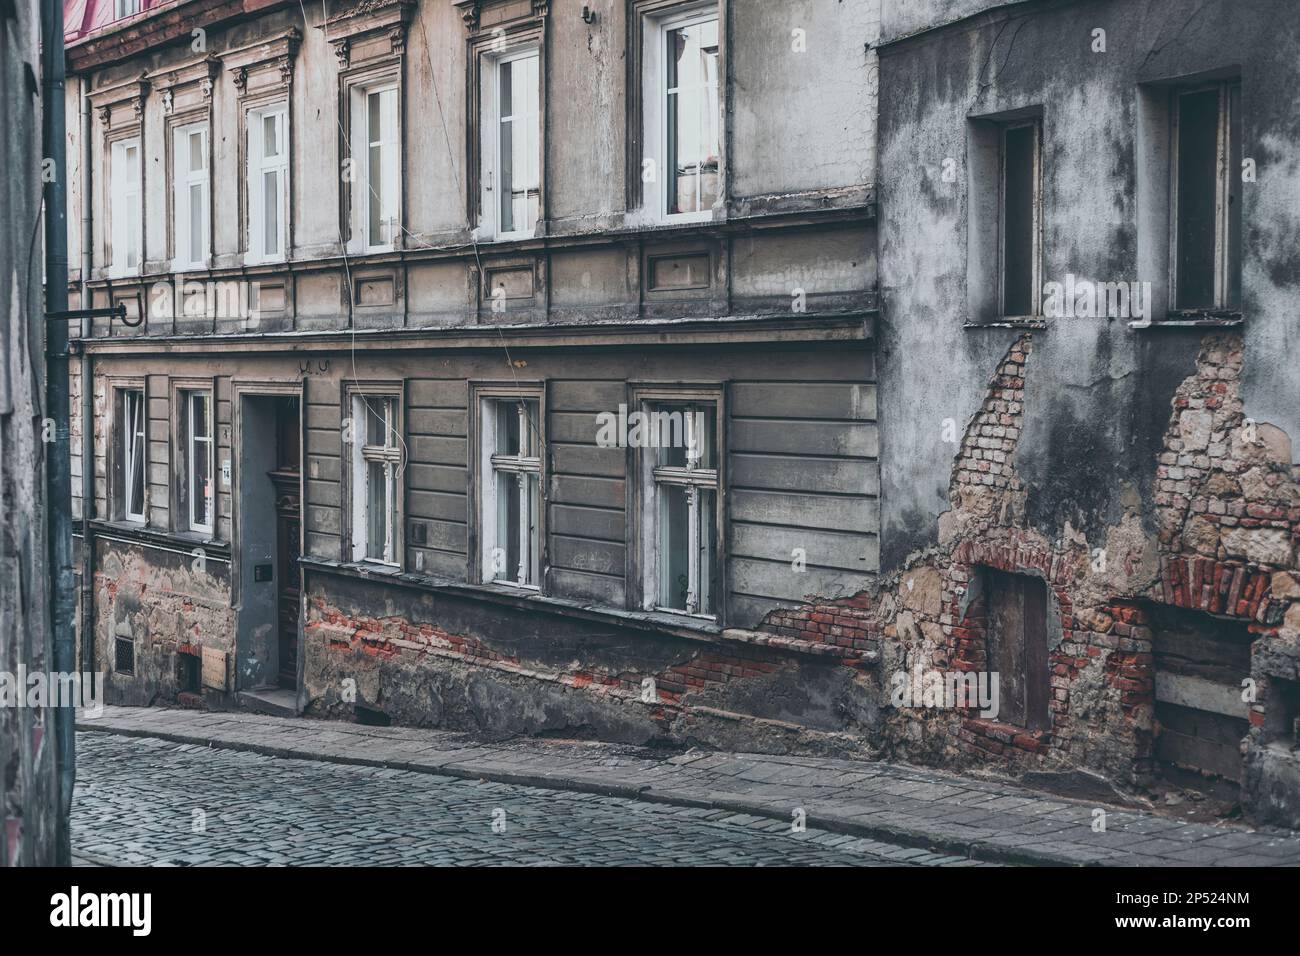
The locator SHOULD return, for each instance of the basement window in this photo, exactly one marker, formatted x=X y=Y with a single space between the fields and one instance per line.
x=131 y=455
x=680 y=510
x=376 y=477
x=1205 y=194
x=124 y=655
x=511 y=489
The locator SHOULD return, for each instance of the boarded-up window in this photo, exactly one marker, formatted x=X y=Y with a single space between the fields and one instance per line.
x=1201 y=718
x=1017 y=648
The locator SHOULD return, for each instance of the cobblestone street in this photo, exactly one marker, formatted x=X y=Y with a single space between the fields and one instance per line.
x=140 y=801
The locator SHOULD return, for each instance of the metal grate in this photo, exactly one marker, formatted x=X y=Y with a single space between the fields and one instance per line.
x=124 y=658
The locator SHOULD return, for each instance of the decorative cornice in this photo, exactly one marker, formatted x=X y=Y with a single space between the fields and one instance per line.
x=366 y=21
x=202 y=72
x=133 y=91
x=278 y=52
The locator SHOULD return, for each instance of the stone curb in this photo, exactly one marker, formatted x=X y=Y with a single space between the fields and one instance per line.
x=919 y=838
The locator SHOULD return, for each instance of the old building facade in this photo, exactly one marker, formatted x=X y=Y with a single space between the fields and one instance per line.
x=581 y=369
x=499 y=365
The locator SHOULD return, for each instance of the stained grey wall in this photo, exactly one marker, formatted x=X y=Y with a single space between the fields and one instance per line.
x=1098 y=392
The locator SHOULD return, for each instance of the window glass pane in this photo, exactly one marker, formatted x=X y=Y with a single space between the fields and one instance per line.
x=131 y=228
x=136 y=439
x=692 y=116
x=196 y=222
x=197 y=159
x=1018 y=221
x=377 y=429
x=533 y=501
x=200 y=486
x=708 y=551
x=1233 y=264
x=199 y=410
x=505 y=563
x=270 y=135
x=507 y=428
x=684 y=433
x=1198 y=131
x=271 y=212
x=374 y=187
x=674 y=561
x=376 y=509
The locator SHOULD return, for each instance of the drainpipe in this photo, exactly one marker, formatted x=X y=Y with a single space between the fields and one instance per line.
x=87 y=399
x=58 y=475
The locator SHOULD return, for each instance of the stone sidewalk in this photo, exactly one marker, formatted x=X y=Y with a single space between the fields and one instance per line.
x=931 y=809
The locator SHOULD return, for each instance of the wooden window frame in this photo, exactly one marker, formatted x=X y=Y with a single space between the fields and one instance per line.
x=255 y=167
x=358 y=455
x=486 y=465
x=489 y=78
x=356 y=86
x=183 y=507
x=644 y=478
x=117 y=194
x=120 y=461
x=177 y=127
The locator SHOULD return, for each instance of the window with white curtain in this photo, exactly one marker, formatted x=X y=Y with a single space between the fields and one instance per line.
x=191 y=202
x=124 y=211
x=511 y=147
x=268 y=182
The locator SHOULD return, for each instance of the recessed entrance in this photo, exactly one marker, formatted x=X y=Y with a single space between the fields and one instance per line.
x=269 y=540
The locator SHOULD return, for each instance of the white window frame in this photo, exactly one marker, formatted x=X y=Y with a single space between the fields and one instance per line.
x=391 y=159
x=125 y=186
x=125 y=8
x=183 y=178
x=653 y=477
x=1223 y=253
x=257 y=168
x=490 y=141
x=191 y=442
x=133 y=449
x=655 y=108
x=528 y=574
x=390 y=454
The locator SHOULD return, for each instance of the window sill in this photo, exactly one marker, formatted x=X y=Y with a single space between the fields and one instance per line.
x=137 y=532
x=670 y=625
x=1194 y=319
x=1008 y=323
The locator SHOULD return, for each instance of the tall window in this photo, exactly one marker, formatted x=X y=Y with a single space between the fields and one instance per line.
x=680 y=507
x=376 y=471
x=511 y=499
x=191 y=206
x=376 y=187
x=131 y=451
x=200 y=498
x=125 y=211
x=683 y=114
x=1206 y=196
x=1018 y=219
x=512 y=147
x=268 y=182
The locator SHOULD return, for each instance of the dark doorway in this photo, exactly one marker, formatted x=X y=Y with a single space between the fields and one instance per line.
x=288 y=523
x=270 y=525
x=1017 y=648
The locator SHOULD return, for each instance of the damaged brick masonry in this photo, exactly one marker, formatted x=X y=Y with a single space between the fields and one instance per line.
x=384 y=496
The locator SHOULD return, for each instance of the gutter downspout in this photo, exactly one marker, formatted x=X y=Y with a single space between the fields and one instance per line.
x=88 y=662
